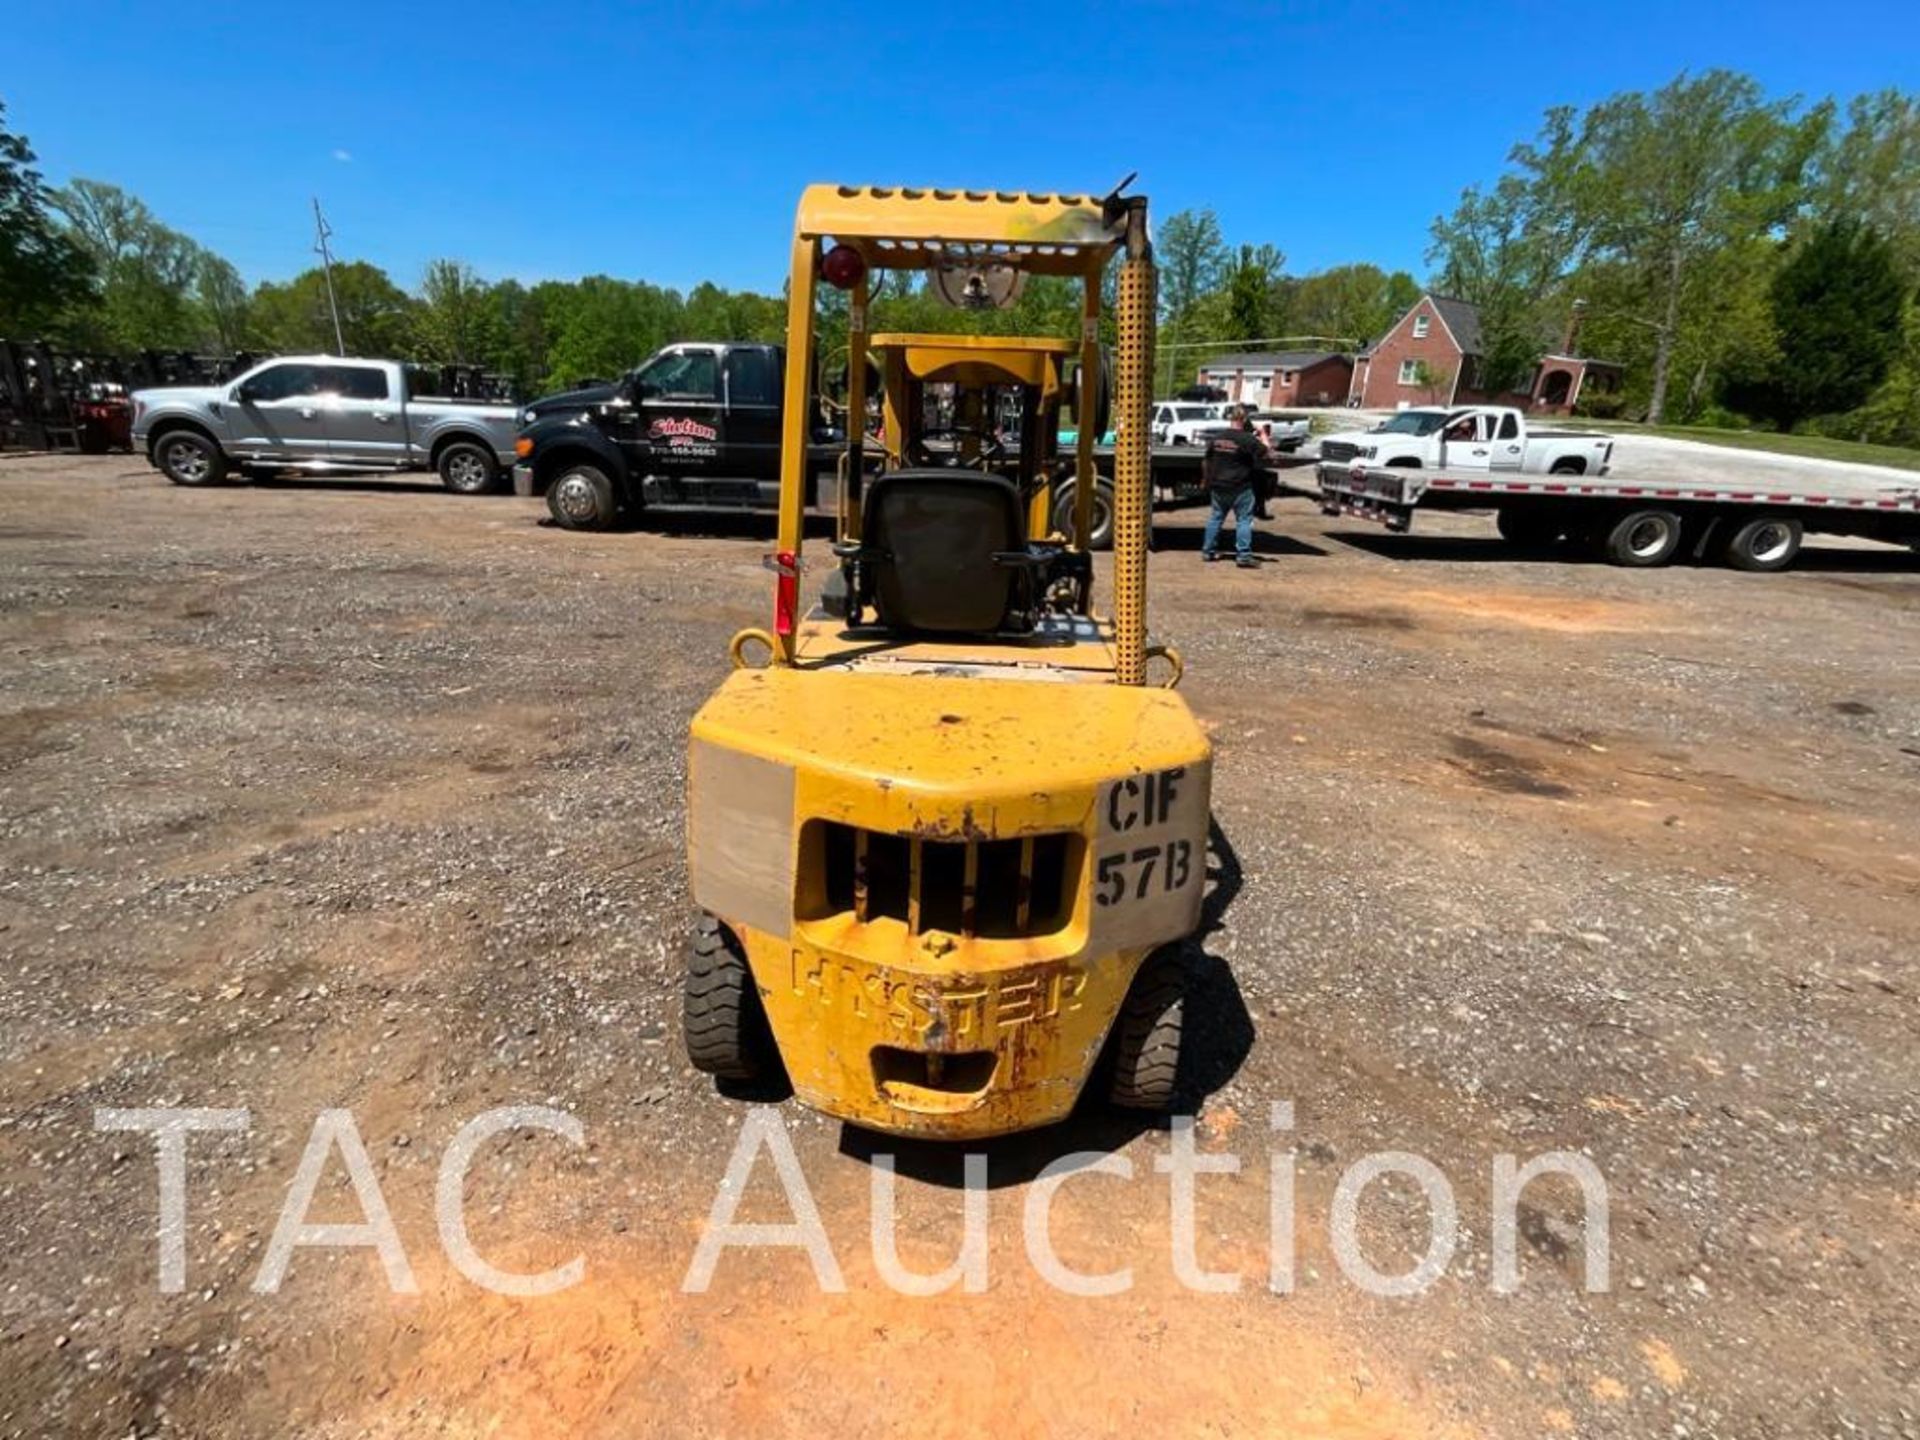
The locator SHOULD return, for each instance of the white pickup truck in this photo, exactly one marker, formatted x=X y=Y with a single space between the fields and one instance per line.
x=1475 y=437
x=1282 y=430
x=1182 y=422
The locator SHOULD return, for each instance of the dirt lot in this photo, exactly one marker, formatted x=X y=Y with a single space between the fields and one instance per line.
x=364 y=796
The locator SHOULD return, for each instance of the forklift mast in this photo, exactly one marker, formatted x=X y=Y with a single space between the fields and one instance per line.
x=843 y=233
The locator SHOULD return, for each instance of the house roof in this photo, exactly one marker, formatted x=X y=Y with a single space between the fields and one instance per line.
x=1271 y=360
x=1462 y=317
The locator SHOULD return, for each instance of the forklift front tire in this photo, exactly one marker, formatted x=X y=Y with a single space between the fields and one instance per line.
x=725 y=1027
x=1147 y=1033
x=1102 y=536
x=581 y=498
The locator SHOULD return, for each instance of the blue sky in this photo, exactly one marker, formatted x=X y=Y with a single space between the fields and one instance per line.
x=670 y=142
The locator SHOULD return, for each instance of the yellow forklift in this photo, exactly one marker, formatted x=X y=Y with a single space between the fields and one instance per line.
x=947 y=830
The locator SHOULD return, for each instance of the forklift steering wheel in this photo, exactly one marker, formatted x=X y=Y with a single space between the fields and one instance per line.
x=992 y=447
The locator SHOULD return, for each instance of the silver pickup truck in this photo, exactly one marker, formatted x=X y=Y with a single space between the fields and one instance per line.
x=323 y=413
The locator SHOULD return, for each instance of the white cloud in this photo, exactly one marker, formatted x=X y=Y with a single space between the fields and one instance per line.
x=345 y=157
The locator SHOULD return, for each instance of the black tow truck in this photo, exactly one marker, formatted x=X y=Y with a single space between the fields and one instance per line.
x=696 y=426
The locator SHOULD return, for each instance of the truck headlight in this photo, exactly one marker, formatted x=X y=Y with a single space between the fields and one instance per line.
x=1368 y=452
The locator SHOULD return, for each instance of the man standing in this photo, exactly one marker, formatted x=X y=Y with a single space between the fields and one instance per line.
x=1234 y=460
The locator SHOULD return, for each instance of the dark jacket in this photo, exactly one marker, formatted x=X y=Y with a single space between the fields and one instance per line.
x=1234 y=459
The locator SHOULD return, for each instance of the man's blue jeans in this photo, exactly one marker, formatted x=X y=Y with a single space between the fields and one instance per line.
x=1240 y=502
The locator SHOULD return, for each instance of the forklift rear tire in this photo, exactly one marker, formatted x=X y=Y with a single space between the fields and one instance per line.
x=581 y=498
x=1102 y=537
x=1147 y=1033
x=188 y=458
x=725 y=1027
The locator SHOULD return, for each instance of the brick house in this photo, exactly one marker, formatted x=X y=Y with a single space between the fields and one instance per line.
x=1277 y=378
x=1444 y=334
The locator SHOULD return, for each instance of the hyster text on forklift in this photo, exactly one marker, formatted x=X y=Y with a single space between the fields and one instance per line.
x=947 y=841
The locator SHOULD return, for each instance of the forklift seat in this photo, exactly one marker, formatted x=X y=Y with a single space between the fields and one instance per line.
x=945 y=551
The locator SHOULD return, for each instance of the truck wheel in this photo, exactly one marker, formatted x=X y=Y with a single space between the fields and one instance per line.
x=721 y=1016
x=1528 y=527
x=1567 y=467
x=1766 y=542
x=1147 y=1032
x=1102 y=536
x=466 y=468
x=581 y=498
x=1643 y=538
x=188 y=458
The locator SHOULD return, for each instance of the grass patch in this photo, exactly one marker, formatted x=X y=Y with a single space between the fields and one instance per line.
x=1818 y=447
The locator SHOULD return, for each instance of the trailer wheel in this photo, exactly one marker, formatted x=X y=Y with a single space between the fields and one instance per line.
x=1766 y=542
x=1528 y=526
x=466 y=468
x=1643 y=538
x=581 y=498
x=187 y=457
x=1102 y=536
x=721 y=1016
x=1147 y=1033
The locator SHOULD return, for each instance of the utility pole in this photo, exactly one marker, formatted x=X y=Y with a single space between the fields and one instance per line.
x=321 y=232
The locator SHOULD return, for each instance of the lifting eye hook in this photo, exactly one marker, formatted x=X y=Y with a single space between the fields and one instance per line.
x=737 y=648
x=1174 y=662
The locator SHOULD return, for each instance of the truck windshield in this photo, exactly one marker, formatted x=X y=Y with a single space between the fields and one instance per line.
x=1413 y=422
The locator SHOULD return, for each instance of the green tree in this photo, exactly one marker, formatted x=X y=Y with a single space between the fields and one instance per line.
x=376 y=316
x=1662 y=182
x=1430 y=380
x=220 y=298
x=1837 y=308
x=1869 y=171
x=603 y=327
x=43 y=274
x=455 y=321
x=1252 y=293
x=147 y=270
x=1508 y=250
x=1892 y=415
x=1192 y=260
x=1350 y=302
x=519 y=320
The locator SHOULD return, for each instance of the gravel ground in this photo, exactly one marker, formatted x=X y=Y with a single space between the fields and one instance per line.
x=359 y=795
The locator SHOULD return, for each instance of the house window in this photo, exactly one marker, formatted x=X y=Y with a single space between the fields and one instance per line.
x=1409 y=372
x=1287 y=377
x=1421 y=323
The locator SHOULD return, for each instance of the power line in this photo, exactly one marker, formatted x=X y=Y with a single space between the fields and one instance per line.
x=322 y=232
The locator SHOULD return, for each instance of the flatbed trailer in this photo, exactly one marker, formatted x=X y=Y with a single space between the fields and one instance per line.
x=1636 y=522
